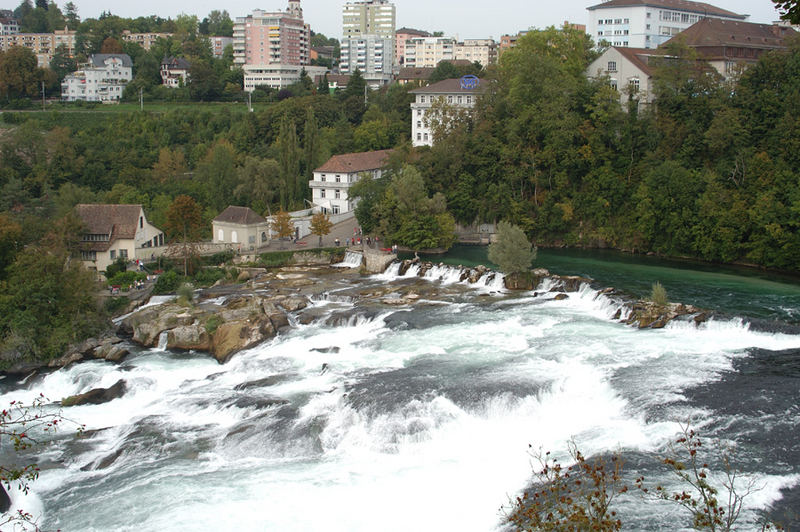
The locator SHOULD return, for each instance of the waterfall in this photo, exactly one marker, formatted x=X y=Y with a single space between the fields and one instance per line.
x=162 y=341
x=352 y=259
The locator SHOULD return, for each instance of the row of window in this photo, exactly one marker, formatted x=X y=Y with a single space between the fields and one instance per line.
x=675 y=16
x=422 y=136
x=336 y=194
x=613 y=21
x=633 y=84
x=459 y=99
x=608 y=32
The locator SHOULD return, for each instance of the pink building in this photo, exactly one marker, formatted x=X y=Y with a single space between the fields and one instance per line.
x=277 y=38
x=400 y=38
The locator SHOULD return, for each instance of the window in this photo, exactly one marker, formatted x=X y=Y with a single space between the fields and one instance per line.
x=647 y=26
x=123 y=253
x=460 y=98
x=426 y=137
x=234 y=237
x=648 y=14
x=322 y=193
x=251 y=239
x=450 y=99
x=617 y=21
x=141 y=222
x=337 y=194
x=263 y=236
x=419 y=112
x=221 y=235
x=613 y=83
x=612 y=66
x=469 y=99
x=113 y=254
x=338 y=179
x=422 y=99
x=322 y=178
x=600 y=33
x=88 y=255
x=419 y=136
x=335 y=209
x=419 y=124
x=633 y=84
x=626 y=21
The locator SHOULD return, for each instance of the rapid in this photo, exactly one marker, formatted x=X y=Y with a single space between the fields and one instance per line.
x=416 y=417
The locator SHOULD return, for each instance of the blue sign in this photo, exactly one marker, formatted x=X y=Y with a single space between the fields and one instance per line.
x=470 y=82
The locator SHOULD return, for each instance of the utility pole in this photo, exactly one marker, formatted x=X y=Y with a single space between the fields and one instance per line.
x=43 y=96
x=250 y=101
x=141 y=99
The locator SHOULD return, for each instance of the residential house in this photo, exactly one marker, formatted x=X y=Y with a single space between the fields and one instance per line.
x=458 y=94
x=418 y=75
x=335 y=81
x=730 y=45
x=401 y=36
x=115 y=231
x=331 y=182
x=103 y=79
x=649 y=23
x=627 y=70
x=8 y=24
x=174 y=72
x=241 y=227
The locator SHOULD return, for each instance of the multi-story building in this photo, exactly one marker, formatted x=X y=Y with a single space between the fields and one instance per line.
x=368 y=17
x=43 y=45
x=277 y=76
x=272 y=38
x=8 y=24
x=371 y=54
x=145 y=40
x=174 y=72
x=484 y=51
x=218 y=45
x=454 y=94
x=424 y=52
x=401 y=36
x=627 y=70
x=103 y=79
x=649 y=23
x=331 y=182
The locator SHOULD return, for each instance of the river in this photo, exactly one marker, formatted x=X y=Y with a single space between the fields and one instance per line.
x=421 y=418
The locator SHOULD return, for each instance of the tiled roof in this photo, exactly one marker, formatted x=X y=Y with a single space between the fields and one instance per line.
x=415 y=72
x=681 y=5
x=451 y=86
x=176 y=63
x=638 y=56
x=240 y=216
x=717 y=32
x=118 y=221
x=412 y=31
x=98 y=60
x=356 y=162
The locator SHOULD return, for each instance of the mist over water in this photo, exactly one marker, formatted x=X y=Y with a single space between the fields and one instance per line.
x=414 y=418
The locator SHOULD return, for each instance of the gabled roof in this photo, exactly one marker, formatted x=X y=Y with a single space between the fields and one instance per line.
x=240 y=216
x=176 y=63
x=356 y=162
x=453 y=85
x=638 y=56
x=681 y=5
x=98 y=60
x=120 y=221
x=718 y=32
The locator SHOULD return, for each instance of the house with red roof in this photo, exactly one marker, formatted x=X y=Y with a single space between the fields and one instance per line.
x=331 y=182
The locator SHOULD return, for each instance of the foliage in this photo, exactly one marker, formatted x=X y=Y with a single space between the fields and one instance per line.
x=209 y=276
x=576 y=497
x=282 y=224
x=126 y=279
x=321 y=225
x=213 y=323
x=23 y=426
x=276 y=259
x=19 y=74
x=658 y=294
x=116 y=267
x=789 y=10
x=511 y=250
x=167 y=283
x=185 y=293
x=114 y=305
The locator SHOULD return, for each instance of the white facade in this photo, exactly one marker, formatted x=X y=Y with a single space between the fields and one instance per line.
x=8 y=26
x=427 y=52
x=368 y=17
x=455 y=93
x=484 y=51
x=277 y=76
x=102 y=80
x=372 y=55
x=331 y=182
x=648 y=24
x=627 y=72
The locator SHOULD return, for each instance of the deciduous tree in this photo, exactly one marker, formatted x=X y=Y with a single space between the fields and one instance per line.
x=184 y=222
x=511 y=250
x=320 y=225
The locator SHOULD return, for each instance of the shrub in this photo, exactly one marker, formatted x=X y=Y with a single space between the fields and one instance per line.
x=220 y=258
x=185 y=293
x=114 y=305
x=511 y=250
x=212 y=324
x=119 y=265
x=276 y=259
x=658 y=295
x=209 y=276
x=167 y=283
x=126 y=279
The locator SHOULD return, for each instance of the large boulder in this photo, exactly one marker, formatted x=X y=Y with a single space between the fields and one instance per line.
x=96 y=396
x=232 y=337
x=148 y=324
x=187 y=337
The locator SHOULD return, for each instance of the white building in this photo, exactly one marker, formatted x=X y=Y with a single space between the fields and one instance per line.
x=457 y=94
x=103 y=79
x=241 y=227
x=174 y=72
x=8 y=26
x=427 y=52
x=368 y=17
x=627 y=71
x=371 y=54
x=331 y=182
x=648 y=23
x=484 y=51
x=113 y=232
x=218 y=45
x=277 y=76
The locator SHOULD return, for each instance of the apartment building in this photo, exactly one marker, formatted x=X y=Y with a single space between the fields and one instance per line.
x=43 y=45
x=368 y=17
x=649 y=23
x=484 y=51
x=331 y=182
x=102 y=79
x=218 y=45
x=145 y=40
x=368 y=32
x=272 y=38
x=427 y=52
x=401 y=36
x=456 y=94
x=8 y=24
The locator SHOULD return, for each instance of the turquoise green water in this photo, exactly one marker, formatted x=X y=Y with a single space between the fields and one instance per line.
x=728 y=289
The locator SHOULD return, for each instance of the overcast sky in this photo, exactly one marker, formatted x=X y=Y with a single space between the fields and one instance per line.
x=465 y=18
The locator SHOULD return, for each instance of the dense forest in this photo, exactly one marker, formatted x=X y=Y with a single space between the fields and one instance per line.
x=708 y=171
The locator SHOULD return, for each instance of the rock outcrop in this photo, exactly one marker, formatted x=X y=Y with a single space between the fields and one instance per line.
x=97 y=396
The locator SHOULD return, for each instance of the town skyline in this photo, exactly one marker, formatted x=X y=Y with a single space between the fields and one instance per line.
x=470 y=20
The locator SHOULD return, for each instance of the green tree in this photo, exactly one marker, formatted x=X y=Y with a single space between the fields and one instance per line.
x=281 y=225
x=71 y=15
x=291 y=191
x=789 y=10
x=19 y=74
x=62 y=63
x=511 y=249
x=217 y=23
x=259 y=180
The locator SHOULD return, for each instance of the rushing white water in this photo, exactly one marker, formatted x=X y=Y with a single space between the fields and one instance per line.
x=396 y=420
x=352 y=259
